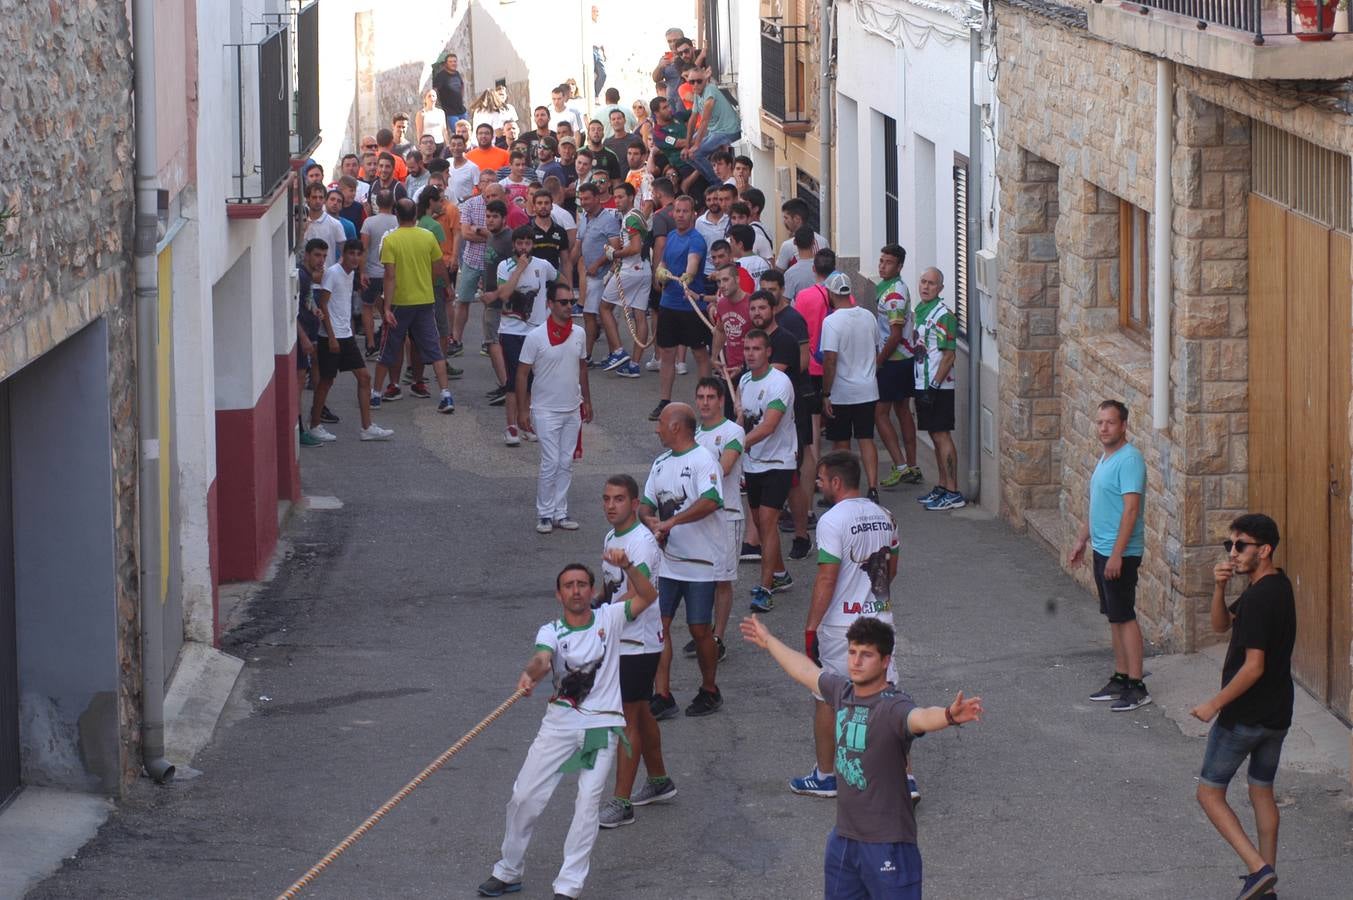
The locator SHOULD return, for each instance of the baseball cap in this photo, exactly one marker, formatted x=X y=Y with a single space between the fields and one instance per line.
x=837 y=283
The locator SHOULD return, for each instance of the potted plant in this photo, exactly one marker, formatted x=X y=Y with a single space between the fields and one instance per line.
x=1317 y=17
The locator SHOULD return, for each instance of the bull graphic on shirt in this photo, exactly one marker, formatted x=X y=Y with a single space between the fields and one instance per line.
x=609 y=587
x=876 y=567
x=668 y=506
x=577 y=682
x=750 y=419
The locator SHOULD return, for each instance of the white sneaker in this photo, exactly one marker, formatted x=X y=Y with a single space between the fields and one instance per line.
x=544 y=526
x=375 y=433
x=653 y=365
x=681 y=368
x=566 y=524
x=529 y=436
x=323 y=434
x=510 y=436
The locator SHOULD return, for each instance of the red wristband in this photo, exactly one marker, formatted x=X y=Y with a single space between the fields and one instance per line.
x=949 y=717
x=809 y=643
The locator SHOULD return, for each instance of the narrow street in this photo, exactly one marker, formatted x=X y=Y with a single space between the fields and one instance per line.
x=400 y=618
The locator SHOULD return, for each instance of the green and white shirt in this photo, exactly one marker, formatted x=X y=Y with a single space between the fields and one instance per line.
x=936 y=332
x=586 y=668
x=644 y=634
x=726 y=435
x=892 y=298
x=861 y=536
x=772 y=390
x=635 y=223
x=677 y=482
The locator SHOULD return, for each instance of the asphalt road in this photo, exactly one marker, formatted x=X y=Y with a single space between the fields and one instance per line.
x=398 y=620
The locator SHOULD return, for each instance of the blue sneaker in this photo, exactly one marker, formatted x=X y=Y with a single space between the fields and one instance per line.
x=947 y=500
x=1258 y=884
x=615 y=360
x=935 y=493
x=781 y=582
x=762 y=600
x=577 y=310
x=814 y=784
x=629 y=370
x=913 y=789
x=375 y=400
x=447 y=405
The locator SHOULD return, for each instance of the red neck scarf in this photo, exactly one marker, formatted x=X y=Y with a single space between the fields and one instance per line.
x=558 y=332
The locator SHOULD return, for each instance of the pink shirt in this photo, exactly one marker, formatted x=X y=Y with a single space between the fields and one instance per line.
x=811 y=303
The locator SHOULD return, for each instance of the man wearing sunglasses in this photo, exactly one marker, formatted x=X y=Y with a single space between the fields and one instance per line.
x=719 y=124
x=1254 y=707
x=1116 y=532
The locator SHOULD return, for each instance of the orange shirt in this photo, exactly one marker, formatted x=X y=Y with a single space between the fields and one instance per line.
x=450 y=222
x=492 y=158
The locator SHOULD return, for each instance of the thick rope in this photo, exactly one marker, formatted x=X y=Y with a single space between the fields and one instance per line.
x=343 y=845
x=628 y=314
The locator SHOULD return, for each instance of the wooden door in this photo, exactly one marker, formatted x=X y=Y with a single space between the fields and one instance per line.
x=1268 y=360
x=1341 y=467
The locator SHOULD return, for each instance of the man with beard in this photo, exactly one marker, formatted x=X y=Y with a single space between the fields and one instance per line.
x=640 y=649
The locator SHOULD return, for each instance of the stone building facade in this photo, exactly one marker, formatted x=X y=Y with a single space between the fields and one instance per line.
x=1077 y=154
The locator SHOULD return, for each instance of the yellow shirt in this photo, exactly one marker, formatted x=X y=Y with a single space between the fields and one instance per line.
x=413 y=251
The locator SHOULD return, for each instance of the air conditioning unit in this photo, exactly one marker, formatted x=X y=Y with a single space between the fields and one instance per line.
x=987 y=271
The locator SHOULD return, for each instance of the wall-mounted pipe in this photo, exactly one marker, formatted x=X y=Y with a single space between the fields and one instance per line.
x=1160 y=247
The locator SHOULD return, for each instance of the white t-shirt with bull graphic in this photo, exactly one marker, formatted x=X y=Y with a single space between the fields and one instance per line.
x=644 y=634
x=586 y=666
x=676 y=482
x=861 y=536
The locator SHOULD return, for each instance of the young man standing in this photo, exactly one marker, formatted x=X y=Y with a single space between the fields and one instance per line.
x=618 y=142
x=463 y=176
x=602 y=156
x=474 y=232
x=449 y=84
x=856 y=564
x=628 y=287
x=596 y=227
x=518 y=271
x=640 y=650
x=682 y=269
x=681 y=500
x=872 y=850
x=560 y=403
x=581 y=649
x=732 y=318
x=723 y=439
x=794 y=214
x=768 y=419
x=850 y=388
x=1254 y=708
x=1116 y=532
x=936 y=347
x=789 y=322
x=485 y=155
x=319 y=225
x=712 y=223
x=337 y=348
x=561 y=111
x=896 y=367
x=516 y=184
x=373 y=232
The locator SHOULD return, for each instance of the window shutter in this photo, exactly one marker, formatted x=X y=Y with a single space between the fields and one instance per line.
x=961 y=248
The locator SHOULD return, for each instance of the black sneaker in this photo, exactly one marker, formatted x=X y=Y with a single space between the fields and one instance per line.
x=723 y=651
x=327 y=417
x=495 y=888
x=873 y=494
x=1111 y=691
x=657 y=410
x=786 y=522
x=749 y=553
x=499 y=400
x=689 y=649
x=705 y=703
x=1134 y=696
x=800 y=548
x=663 y=706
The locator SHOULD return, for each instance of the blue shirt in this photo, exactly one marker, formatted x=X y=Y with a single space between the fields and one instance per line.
x=593 y=233
x=1119 y=473
x=679 y=246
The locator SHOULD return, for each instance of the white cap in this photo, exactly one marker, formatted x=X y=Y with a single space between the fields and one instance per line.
x=838 y=283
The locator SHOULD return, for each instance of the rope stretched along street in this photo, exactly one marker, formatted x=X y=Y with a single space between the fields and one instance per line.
x=357 y=833
x=628 y=309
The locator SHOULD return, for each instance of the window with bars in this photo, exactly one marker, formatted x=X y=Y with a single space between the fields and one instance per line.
x=807 y=189
x=1134 y=270
x=960 y=294
x=891 y=205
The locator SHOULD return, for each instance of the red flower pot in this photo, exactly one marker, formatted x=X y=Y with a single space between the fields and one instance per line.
x=1317 y=16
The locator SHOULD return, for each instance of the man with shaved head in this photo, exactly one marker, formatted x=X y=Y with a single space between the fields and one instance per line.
x=936 y=345
x=681 y=497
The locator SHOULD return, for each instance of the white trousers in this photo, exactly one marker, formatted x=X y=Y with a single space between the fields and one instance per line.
x=535 y=784
x=558 y=433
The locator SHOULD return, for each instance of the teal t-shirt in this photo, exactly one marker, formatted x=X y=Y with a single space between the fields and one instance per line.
x=1122 y=472
x=723 y=118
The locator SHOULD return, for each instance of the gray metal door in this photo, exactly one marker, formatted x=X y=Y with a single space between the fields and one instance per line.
x=9 y=660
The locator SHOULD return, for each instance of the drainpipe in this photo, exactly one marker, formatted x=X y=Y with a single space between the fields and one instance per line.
x=974 y=198
x=826 y=90
x=147 y=395
x=1160 y=247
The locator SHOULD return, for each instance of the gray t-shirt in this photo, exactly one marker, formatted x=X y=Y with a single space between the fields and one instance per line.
x=594 y=233
x=872 y=742
x=376 y=228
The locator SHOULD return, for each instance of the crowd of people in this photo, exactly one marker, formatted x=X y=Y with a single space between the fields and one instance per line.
x=639 y=227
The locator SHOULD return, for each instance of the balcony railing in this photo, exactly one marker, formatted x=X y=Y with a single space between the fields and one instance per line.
x=263 y=115
x=784 y=65
x=1306 y=20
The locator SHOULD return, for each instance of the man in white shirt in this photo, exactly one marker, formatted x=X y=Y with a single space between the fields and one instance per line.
x=850 y=390
x=723 y=439
x=712 y=224
x=794 y=213
x=528 y=277
x=463 y=175
x=562 y=111
x=741 y=239
x=556 y=351
x=319 y=224
x=581 y=649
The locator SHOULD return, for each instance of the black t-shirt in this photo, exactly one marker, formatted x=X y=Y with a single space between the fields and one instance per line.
x=450 y=90
x=791 y=321
x=550 y=242
x=604 y=158
x=784 y=350
x=1265 y=619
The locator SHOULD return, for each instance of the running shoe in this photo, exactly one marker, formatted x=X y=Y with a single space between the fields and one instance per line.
x=544 y=526
x=420 y=390
x=873 y=495
x=950 y=500
x=1111 y=691
x=374 y=432
x=447 y=405
x=689 y=649
x=615 y=360
x=801 y=547
x=498 y=399
x=762 y=599
x=510 y=436
x=577 y=310
x=935 y=493
x=373 y=352
x=663 y=706
x=629 y=370
x=484 y=349
x=1258 y=884
x=319 y=432
x=781 y=582
x=1133 y=698
x=723 y=648
x=653 y=365
x=681 y=368
x=657 y=410
x=750 y=553
x=327 y=417
x=913 y=475
x=375 y=400
x=814 y=784
x=499 y=391
x=893 y=478
x=454 y=348
x=495 y=888
x=786 y=522
x=913 y=789
x=392 y=393
x=453 y=373
x=616 y=812
x=408 y=375
x=655 y=790
x=309 y=440
x=529 y=436
x=566 y=524
x=705 y=703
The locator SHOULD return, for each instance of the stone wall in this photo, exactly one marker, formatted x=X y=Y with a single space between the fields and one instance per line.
x=71 y=239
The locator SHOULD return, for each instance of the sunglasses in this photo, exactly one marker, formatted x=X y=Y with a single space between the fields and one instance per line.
x=563 y=301
x=1240 y=546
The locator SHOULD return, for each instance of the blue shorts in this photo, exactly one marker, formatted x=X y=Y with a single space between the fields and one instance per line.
x=857 y=870
x=1227 y=747
x=699 y=596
